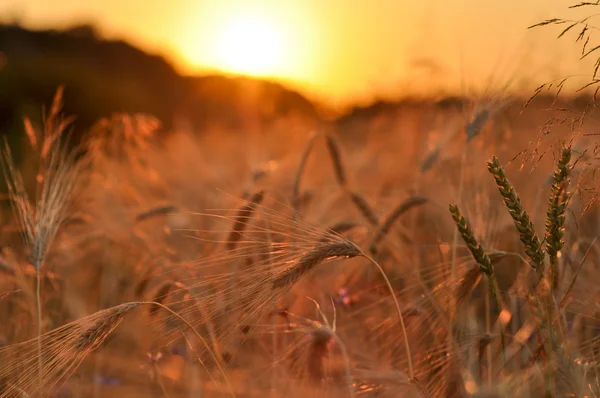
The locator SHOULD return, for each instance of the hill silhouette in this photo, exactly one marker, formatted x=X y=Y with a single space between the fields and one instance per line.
x=102 y=77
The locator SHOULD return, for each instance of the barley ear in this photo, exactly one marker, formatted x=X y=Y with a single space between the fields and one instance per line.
x=97 y=333
x=555 y=215
x=389 y=221
x=336 y=158
x=364 y=208
x=301 y=166
x=474 y=127
x=533 y=247
x=320 y=253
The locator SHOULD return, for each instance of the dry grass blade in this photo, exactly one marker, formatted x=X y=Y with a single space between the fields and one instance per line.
x=242 y=218
x=320 y=253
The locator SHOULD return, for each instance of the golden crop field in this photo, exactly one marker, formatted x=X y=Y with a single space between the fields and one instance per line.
x=412 y=248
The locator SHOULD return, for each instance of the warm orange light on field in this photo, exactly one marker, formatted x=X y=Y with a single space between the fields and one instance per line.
x=338 y=50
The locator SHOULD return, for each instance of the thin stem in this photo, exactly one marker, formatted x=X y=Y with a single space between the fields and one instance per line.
x=453 y=266
x=159 y=381
x=349 y=380
x=195 y=332
x=461 y=184
x=488 y=332
x=38 y=300
x=493 y=290
x=399 y=311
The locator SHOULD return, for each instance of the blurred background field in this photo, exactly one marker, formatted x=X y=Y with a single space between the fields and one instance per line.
x=205 y=175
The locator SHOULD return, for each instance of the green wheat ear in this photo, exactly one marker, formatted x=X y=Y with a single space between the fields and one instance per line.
x=533 y=247
x=483 y=260
x=555 y=216
x=481 y=257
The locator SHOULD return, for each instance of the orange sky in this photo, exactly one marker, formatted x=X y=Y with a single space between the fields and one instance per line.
x=338 y=50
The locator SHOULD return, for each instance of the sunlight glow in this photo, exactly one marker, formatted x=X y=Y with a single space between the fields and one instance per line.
x=249 y=45
x=341 y=50
x=241 y=41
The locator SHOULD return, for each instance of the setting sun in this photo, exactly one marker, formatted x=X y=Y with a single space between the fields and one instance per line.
x=249 y=45
x=336 y=50
x=243 y=41
x=267 y=40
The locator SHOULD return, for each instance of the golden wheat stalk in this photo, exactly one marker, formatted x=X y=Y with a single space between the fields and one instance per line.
x=66 y=347
x=340 y=249
x=56 y=180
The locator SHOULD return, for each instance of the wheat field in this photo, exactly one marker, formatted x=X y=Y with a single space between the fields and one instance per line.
x=430 y=250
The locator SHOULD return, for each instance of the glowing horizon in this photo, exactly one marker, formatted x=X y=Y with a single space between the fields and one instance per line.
x=334 y=50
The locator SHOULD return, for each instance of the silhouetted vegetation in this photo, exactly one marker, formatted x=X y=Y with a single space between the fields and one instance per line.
x=102 y=77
